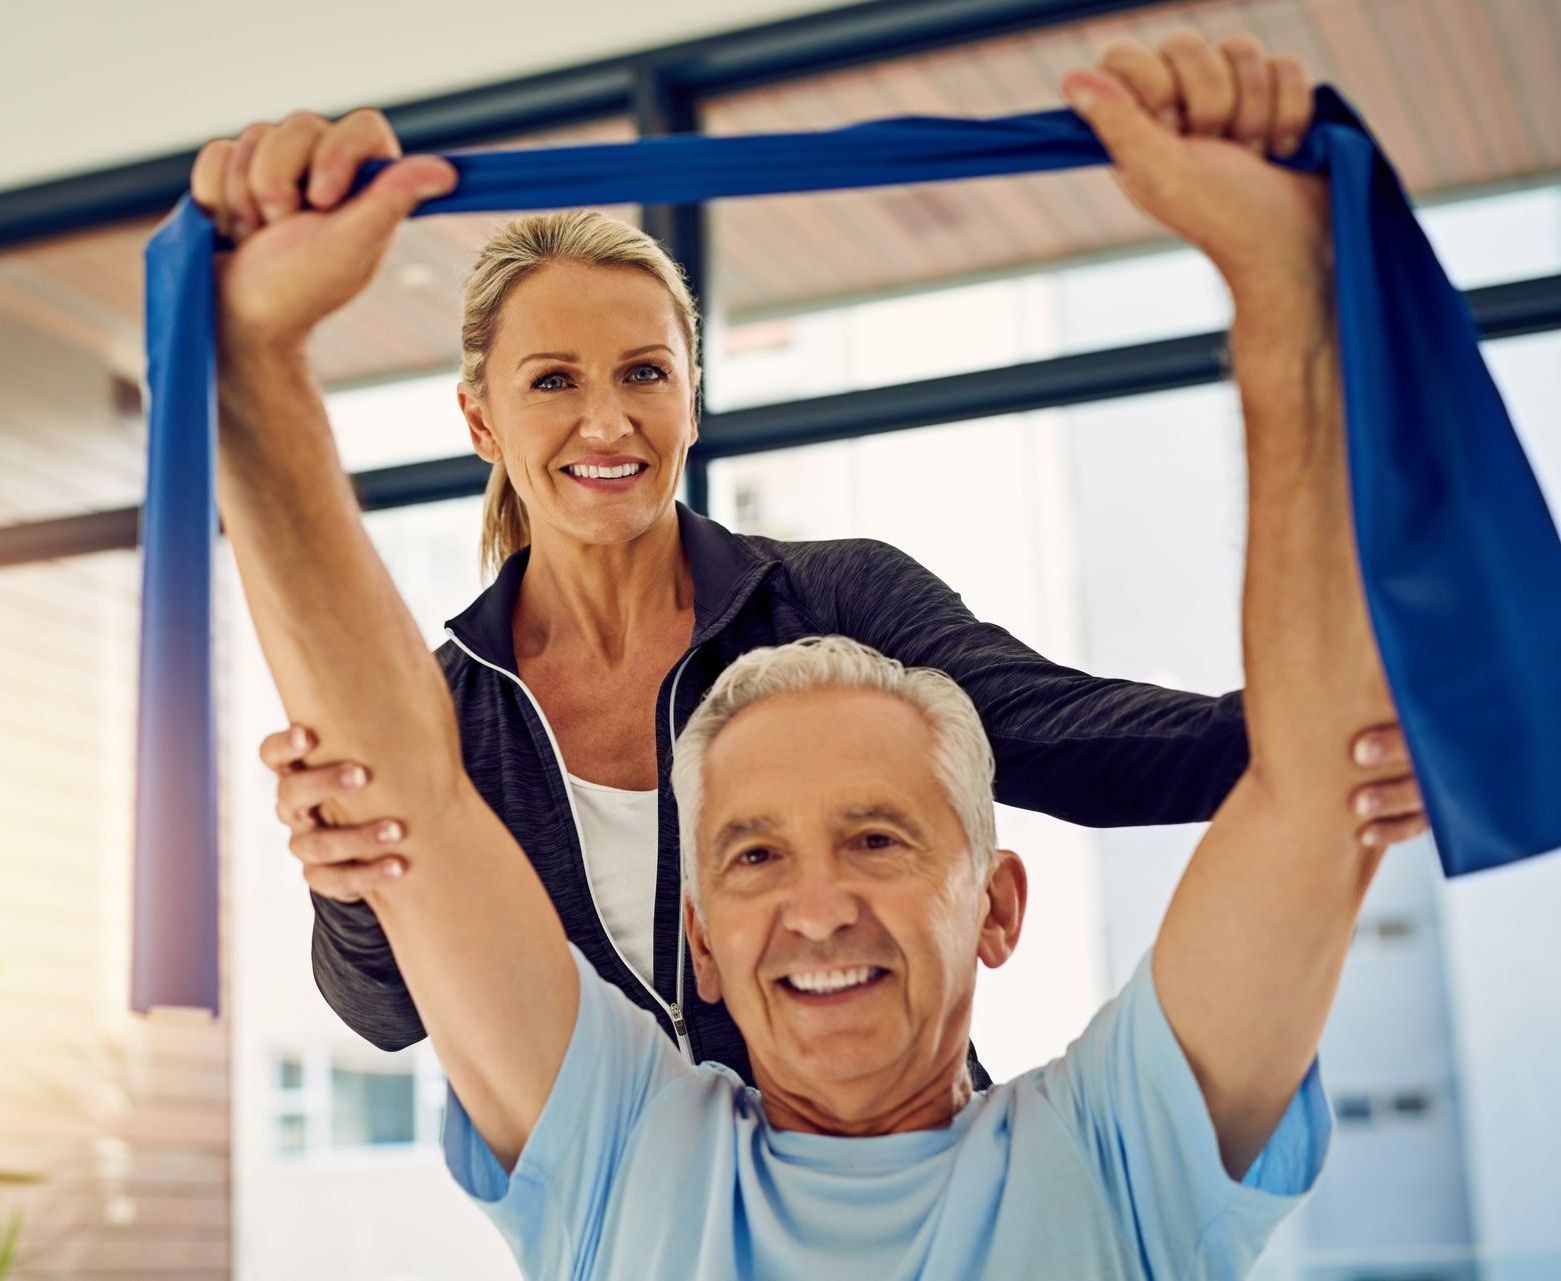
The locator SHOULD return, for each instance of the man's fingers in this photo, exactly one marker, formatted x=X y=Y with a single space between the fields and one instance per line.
x=330 y=846
x=242 y=211
x=1129 y=133
x=207 y=176
x=1205 y=83
x=281 y=164
x=1147 y=76
x=341 y=151
x=281 y=751
x=1292 y=104
x=1254 y=106
x=382 y=206
x=352 y=882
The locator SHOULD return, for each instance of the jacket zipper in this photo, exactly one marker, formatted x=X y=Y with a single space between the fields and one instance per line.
x=672 y=706
x=673 y=1012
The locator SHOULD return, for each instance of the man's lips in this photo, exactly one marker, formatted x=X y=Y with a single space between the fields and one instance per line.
x=834 y=985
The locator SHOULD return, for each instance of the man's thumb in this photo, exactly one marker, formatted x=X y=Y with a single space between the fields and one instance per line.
x=1126 y=130
x=398 y=189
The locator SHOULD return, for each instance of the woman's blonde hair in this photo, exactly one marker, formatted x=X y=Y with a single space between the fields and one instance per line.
x=513 y=253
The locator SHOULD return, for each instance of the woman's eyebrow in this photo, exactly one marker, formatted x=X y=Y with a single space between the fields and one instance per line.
x=572 y=357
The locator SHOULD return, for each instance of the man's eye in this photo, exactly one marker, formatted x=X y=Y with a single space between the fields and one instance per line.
x=879 y=840
x=753 y=857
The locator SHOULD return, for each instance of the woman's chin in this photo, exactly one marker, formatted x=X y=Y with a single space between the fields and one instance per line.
x=616 y=522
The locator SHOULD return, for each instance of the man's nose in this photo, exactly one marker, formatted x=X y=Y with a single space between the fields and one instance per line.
x=604 y=419
x=820 y=905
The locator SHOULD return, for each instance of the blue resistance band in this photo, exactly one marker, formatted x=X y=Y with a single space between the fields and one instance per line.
x=1459 y=554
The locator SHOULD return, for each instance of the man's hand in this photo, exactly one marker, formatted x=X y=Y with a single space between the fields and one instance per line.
x=1187 y=129
x=303 y=250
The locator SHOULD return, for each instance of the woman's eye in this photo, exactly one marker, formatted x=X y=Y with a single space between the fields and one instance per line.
x=657 y=373
x=541 y=384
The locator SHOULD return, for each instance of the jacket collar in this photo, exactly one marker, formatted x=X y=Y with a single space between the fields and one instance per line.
x=726 y=568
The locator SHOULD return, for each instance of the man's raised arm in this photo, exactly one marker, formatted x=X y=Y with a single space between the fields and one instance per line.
x=1249 y=956
x=472 y=928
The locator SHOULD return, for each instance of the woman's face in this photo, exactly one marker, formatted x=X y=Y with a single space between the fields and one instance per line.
x=588 y=400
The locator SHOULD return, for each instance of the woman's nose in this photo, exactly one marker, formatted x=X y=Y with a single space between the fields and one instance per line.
x=604 y=418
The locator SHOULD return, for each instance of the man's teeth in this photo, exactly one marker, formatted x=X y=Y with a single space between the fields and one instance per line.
x=605 y=473
x=831 y=980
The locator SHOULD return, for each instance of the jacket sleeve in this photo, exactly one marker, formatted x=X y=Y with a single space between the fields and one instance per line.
x=358 y=976
x=1095 y=751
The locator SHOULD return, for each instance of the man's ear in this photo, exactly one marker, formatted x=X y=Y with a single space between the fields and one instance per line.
x=1007 y=888
x=483 y=440
x=707 y=979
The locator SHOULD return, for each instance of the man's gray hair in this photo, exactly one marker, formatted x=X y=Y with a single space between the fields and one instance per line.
x=963 y=762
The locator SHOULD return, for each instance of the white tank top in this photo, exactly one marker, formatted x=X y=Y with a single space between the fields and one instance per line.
x=618 y=831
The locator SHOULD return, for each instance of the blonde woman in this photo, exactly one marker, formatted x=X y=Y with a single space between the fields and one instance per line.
x=614 y=607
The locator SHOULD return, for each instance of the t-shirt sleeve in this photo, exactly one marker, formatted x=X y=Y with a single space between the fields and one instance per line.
x=551 y=1209
x=1127 y=1093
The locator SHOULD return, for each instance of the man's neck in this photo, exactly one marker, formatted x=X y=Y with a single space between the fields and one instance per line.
x=865 y=1109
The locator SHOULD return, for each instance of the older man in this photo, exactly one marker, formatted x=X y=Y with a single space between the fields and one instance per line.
x=844 y=882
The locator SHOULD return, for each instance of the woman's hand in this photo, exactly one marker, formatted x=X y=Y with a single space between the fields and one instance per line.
x=1392 y=808
x=342 y=863
x=1188 y=128
x=302 y=248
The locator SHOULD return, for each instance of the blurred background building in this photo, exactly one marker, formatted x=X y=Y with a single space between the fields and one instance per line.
x=1016 y=380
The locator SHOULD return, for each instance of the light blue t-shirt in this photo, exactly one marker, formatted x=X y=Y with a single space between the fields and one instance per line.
x=1101 y=1165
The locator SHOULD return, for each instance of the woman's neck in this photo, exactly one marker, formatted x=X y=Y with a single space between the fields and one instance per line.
x=599 y=601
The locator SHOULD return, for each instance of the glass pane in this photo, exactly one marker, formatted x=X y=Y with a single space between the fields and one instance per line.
x=72 y=436
x=292 y=1132
x=826 y=292
x=371 y=1107
x=1110 y=537
x=97 y=1105
x=289 y=1074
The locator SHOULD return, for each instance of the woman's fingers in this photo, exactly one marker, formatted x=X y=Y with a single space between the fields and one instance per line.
x=352 y=882
x=1390 y=798
x=1390 y=831
x=1393 y=807
x=286 y=748
x=299 y=792
x=368 y=842
x=1380 y=745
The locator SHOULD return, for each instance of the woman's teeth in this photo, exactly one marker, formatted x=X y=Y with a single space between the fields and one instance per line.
x=587 y=472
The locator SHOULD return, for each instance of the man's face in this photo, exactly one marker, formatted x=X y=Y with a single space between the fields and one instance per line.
x=843 y=914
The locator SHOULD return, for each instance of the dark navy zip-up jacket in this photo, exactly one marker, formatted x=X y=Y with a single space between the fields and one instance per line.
x=1100 y=752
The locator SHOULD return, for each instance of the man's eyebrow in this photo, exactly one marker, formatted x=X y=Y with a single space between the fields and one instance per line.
x=739 y=828
x=572 y=357
x=884 y=814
